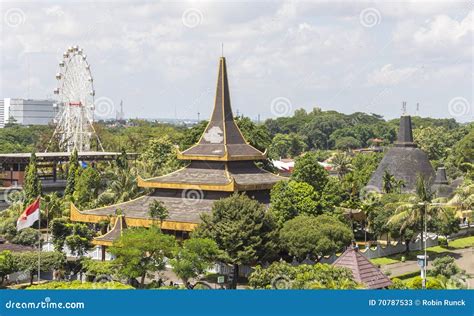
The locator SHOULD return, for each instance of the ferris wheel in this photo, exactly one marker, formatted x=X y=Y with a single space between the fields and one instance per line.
x=75 y=102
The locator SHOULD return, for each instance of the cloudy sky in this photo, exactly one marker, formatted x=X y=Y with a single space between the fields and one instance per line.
x=161 y=58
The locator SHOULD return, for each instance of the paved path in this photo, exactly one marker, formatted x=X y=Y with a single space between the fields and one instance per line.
x=464 y=259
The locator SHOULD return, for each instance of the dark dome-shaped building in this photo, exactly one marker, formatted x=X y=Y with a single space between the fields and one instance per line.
x=404 y=161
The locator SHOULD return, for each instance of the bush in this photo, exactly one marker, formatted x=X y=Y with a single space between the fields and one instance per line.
x=442 y=242
x=445 y=266
x=282 y=275
x=398 y=284
x=431 y=283
x=77 y=285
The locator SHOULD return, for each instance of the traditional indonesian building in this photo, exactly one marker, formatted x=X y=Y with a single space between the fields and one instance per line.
x=221 y=163
x=405 y=161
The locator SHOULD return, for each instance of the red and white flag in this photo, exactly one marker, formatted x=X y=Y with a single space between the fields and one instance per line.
x=29 y=216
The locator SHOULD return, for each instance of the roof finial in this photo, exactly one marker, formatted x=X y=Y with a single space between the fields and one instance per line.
x=404 y=108
x=222 y=49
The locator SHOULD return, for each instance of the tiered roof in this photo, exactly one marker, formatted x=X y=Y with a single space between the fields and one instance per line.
x=222 y=139
x=221 y=162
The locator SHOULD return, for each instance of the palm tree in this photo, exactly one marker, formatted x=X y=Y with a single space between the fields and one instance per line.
x=122 y=187
x=388 y=181
x=412 y=214
x=342 y=164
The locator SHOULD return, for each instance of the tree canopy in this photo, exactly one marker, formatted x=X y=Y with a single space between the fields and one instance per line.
x=314 y=236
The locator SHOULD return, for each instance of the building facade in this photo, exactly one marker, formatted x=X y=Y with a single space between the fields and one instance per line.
x=26 y=111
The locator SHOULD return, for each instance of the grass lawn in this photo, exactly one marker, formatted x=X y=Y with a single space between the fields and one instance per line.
x=460 y=243
x=384 y=260
x=453 y=245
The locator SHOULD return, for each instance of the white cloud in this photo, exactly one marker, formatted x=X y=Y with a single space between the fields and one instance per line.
x=388 y=75
x=310 y=52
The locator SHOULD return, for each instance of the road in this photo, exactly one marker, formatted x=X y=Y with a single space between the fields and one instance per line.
x=464 y=259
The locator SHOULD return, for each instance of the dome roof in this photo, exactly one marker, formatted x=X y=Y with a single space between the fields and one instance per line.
x=404 y=161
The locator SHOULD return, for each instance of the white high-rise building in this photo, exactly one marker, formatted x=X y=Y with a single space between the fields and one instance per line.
x=26 y=111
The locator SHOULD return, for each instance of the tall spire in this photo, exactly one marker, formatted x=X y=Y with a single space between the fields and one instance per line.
x=405 y=136
x=222 y=138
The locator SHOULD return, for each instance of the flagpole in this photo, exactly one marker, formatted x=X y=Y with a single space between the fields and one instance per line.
x=39 y=244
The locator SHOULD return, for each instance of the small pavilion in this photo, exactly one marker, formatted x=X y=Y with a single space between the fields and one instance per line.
x=363 y=271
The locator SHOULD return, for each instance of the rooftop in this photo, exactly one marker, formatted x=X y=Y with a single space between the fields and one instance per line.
x=363 y=270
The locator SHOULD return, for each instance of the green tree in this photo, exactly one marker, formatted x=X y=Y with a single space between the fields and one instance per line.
x=32 y=183
x=121 y=188
x=287 y=145
x=140 y=251
x=7 y=265
x=307 y=169
x=96 y=269
x=158 y=211
x=242 y=230
x=445 y=266
x=463 y=153
x=314 y=237
x=80 y=238
x=410 y=216
x=194 y=258
x=388 y=182
x=73 y=173
x=256 y=135
x=342 y=164
x=60 y=229
x=122 y=160
x=27 y=237
x=52 y=205
x=289 y=199
x=86 y=187
x=28 y=262
x=346 y=143
x=159 y=157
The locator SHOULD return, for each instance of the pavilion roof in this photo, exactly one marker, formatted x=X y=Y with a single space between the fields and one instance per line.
x=108 y=238
x=363 y=271
x=222 y=139
x=185 y=208
x=216 y=176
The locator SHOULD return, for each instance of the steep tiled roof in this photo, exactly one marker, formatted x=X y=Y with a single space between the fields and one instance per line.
x=362 y=269
x=222 y=138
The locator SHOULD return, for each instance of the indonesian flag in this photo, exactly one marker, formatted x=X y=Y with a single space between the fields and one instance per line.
x=29 y=216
